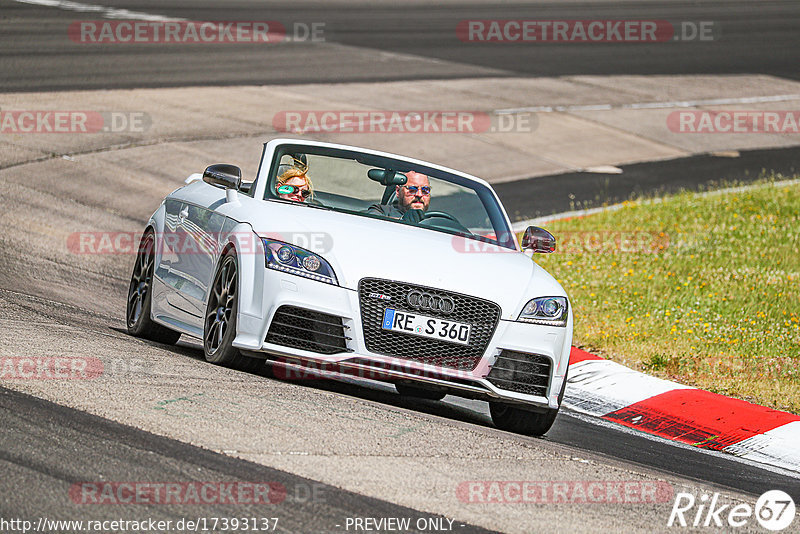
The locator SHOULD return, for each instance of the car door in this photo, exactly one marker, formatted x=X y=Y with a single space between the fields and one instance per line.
x=168 y=304
x=194 y=245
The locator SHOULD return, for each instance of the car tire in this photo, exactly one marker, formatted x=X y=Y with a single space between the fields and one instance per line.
x=140 y=296
x=219 y=326
x=420 y=393
x=521 y=421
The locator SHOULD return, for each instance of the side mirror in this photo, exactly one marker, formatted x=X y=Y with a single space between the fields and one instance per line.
x=223 y=175
x=538 y=240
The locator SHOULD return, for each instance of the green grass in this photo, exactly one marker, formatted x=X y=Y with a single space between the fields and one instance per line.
x=703 y=290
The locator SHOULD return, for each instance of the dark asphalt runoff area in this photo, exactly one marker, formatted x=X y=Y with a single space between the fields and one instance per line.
x=546 y=195
x=37 y=55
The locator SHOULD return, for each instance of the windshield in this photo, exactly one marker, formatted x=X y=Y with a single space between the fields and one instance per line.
x=389 y=189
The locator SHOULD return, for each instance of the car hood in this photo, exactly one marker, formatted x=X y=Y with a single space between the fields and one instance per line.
x=359 y=247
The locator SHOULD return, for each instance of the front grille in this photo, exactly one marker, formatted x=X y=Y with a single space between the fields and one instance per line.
x=314 y=331
x=521 y=372
x=481 y=314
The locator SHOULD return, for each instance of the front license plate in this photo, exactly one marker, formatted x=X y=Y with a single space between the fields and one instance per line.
x=421 y=325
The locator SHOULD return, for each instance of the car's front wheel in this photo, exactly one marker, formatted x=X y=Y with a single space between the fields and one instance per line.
x=522 y=421
x=219 y=328
x=140 y=296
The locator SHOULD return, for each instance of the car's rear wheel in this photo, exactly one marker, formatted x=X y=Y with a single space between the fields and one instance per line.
x=522 y=421
x=219 y=327
x=406 y=390
x=140 y=296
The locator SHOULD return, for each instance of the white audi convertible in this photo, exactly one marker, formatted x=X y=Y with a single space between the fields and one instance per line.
x=342 y=261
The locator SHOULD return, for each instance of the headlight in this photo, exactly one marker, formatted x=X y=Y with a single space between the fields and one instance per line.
x=550 y=311
x=295 y=260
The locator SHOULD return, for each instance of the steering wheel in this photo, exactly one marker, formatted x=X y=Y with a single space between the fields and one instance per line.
x=444 y=220
x=430 y=214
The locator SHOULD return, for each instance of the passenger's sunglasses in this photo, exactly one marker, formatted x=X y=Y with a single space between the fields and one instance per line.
x=413 y=189
x=293 y=190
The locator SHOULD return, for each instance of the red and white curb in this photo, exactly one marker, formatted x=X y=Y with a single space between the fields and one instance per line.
x=613 y=392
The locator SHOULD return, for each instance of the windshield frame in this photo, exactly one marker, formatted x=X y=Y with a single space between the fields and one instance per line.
x=488 y=198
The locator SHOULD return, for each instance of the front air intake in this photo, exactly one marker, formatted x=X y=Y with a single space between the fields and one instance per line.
x=521 y=372
x=309 y=330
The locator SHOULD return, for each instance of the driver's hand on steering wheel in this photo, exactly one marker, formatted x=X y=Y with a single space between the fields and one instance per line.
x=413 y=216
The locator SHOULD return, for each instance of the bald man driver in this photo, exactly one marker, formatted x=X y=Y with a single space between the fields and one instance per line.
x=413 y=199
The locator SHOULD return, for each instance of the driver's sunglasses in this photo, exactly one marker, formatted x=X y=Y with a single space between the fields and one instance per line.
x=425 y=190
x=293 y=190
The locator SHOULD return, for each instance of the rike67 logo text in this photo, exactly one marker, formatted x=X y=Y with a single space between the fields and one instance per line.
x=774 y=510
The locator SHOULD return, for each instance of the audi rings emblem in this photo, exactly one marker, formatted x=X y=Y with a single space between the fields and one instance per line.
x=426 y=301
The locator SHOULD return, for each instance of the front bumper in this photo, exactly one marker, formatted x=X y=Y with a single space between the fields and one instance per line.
x=549 y=345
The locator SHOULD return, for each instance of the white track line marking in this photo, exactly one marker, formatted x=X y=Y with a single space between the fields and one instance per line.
x=106 y=12
x=651 y=105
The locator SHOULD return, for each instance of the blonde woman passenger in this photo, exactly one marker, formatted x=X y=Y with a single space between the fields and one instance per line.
x=293 y=184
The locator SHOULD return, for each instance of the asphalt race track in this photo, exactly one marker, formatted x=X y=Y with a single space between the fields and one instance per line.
x=561 y=193
x=79 y=446
x=161 y=414
x=418 y=40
